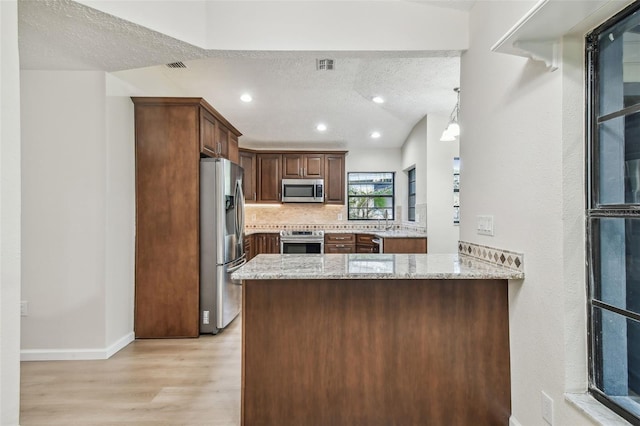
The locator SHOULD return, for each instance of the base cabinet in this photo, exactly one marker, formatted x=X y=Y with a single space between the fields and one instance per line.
x=339 y=243
x=365 y=244
x=265 y=243
x=404 y=245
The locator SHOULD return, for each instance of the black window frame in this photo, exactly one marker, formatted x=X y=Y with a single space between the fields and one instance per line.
x=392 y=196
x=411 y=196
x=596 y=214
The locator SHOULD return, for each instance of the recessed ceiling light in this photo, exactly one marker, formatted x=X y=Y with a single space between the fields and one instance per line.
x=375 y=135
x=246 y=98
x=378 y=100
x=321 y=127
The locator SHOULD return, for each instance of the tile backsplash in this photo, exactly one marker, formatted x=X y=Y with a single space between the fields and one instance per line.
x=313 y=216
x=496 y=256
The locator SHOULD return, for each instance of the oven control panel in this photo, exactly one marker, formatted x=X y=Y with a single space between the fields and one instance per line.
x=302 y=234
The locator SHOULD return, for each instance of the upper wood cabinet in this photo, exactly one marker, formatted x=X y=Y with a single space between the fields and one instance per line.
x=247 y=160
x=303 y=166
x=334 y=178
x=264 y=171
x=268 y=177
x=234 y=153
x=218 y=138
x=171 y=134
x=208 y=145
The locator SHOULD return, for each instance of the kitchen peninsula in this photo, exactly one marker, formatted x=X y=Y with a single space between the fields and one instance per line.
x=375 y=339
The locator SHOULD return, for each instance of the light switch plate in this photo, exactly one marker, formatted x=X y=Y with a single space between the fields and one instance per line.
x=484 y=225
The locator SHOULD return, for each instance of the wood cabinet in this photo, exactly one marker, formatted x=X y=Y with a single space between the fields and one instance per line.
x=339 y=243
x=249 y=246
x=334 y=178
x=268 y=177
x=267 y=243
x=234 y=153
x=208 y=144
x=365 y=244
x=247 y=160
x=404 y=245
x=302 y=166
x=171 y=134
x=218 y=138
x=273 y=166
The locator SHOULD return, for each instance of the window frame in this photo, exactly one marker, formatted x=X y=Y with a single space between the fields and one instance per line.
x=411 y=206
x=392 y=196
x=595 y=212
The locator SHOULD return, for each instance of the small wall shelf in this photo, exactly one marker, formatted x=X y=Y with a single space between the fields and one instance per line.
x=537 y=35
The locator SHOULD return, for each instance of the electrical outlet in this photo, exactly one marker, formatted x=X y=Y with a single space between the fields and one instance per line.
x=339 y=216
x=484 y=225
x=547 y=408
x=417 y=217
x=253 y=217
x=24 y=308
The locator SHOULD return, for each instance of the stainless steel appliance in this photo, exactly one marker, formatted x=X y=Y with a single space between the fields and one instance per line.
x=302 y=190
x=301 y=242
x=221 y=242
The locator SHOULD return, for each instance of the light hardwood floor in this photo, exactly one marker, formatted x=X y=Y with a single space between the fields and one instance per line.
x=150 y=382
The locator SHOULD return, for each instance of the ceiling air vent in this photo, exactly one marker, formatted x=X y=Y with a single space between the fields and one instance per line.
x=176 y=65
x=324 y=64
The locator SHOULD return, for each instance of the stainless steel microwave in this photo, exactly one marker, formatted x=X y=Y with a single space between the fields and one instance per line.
x=303 y=190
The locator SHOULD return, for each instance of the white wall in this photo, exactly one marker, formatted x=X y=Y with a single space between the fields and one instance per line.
x=414 y=154
x=120 y=211
x=515 y=166
x=9 y=215
x=381 y=160
x=443 y=234
x=317 y=25
x=77 y=200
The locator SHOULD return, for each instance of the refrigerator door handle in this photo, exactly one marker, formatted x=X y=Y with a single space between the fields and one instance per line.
x=236 y=267
x=239 y=210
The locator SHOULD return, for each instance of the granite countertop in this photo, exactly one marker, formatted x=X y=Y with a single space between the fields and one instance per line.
x=395 y=233
x=371 y=266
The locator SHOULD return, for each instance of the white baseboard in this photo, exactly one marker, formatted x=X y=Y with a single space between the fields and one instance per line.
x=120 y=344
x=513 y=421
x=76 y=354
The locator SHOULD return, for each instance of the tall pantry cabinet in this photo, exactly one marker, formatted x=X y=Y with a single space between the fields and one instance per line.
x=171 y=135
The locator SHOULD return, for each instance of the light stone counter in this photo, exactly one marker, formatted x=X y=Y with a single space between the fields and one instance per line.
x=371 y=266
x=395 y=233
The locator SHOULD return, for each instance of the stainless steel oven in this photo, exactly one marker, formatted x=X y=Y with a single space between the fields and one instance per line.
x=301 y=242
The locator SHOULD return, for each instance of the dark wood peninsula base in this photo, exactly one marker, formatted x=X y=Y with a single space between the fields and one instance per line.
x=375 y=352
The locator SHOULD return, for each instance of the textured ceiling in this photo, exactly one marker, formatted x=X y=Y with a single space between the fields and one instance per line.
x=290 y=96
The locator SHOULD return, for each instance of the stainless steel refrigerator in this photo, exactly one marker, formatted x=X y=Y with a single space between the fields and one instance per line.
x=221 y=242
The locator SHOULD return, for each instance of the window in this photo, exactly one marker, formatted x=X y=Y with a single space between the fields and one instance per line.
x=371 y=195
x=411 y=212
x=613 y=213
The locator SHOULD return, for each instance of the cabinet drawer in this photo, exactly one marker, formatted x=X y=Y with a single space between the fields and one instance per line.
x=339 y=248
x=367 y=249
x=339 y=238
x=365 y=238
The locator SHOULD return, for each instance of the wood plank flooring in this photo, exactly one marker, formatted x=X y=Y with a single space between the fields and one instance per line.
x=150 y=382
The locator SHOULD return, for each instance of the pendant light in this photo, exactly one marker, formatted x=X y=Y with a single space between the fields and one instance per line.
x=453 y=128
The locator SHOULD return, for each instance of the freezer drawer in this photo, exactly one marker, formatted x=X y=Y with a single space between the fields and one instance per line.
x=220 y=296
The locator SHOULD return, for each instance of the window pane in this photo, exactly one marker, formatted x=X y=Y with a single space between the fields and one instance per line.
x=618 y=358
x=370 y=196
x=616 y=264
x=619 y=59
x=619 y=160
